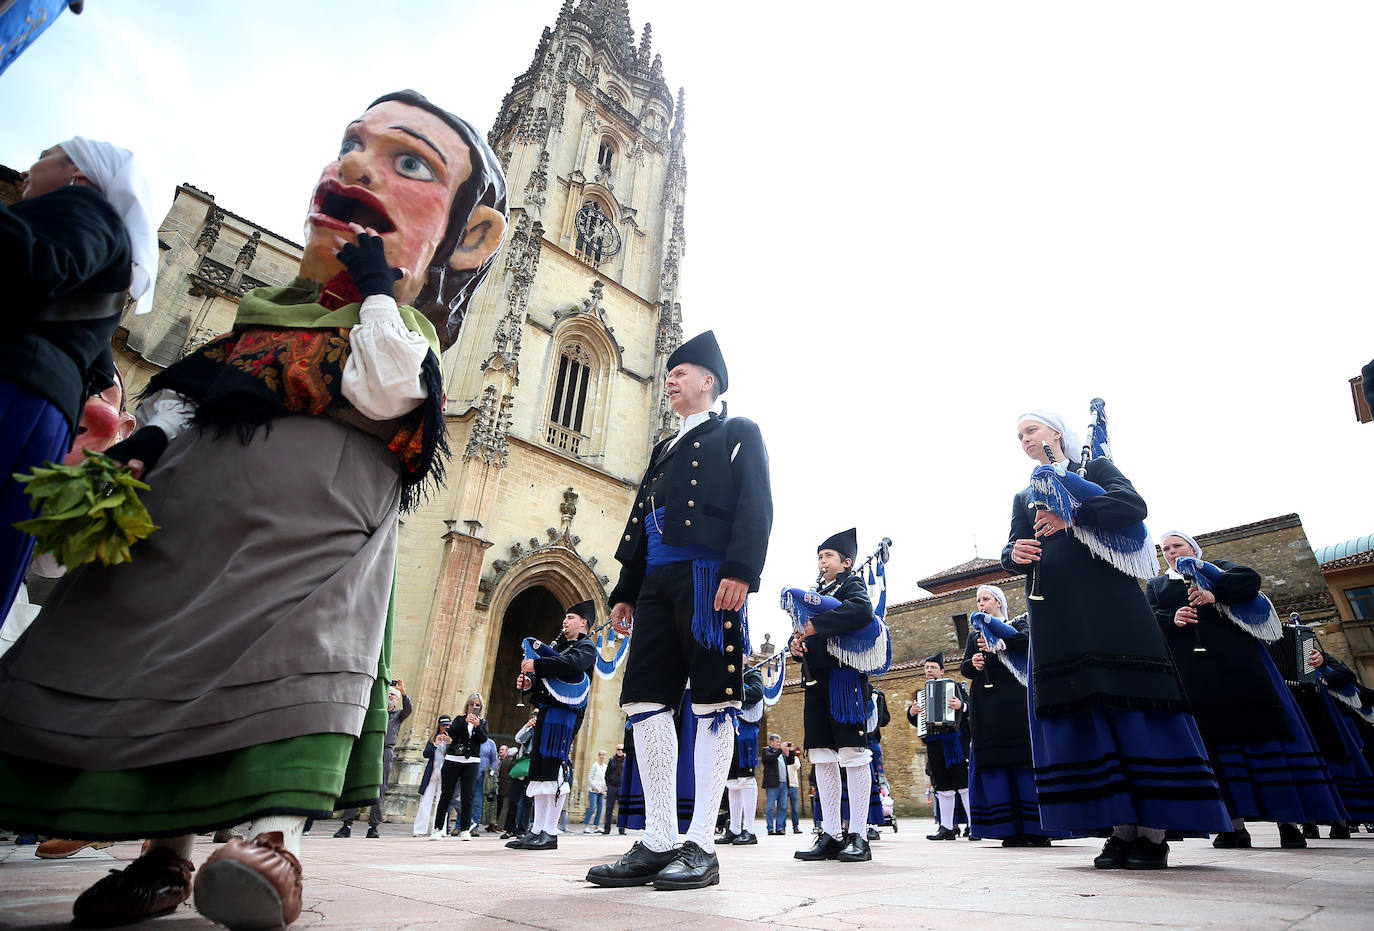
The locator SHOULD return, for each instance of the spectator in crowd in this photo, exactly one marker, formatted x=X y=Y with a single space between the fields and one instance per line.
x=776 y=759
x=398 y=708
x=489 y=758
x=615 y=774
x=596 y=793
x=793 y=791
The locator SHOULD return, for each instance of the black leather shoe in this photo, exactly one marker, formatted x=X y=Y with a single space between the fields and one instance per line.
x=1339 y=831
x=1034 y=840
x=1016 y=840
x=943 y=834
x=521 y=842
x=1113 y=855
x=1147 y=855
x=726 y=837
x=637 y=868
x=855 y=850
x=692 y=868
x=872 y=834
x=1290 y=837
x=825 y=848
x=744 y=839
x=541 y=841
x=1232 y=840
x=1309 y=830
x=343 y=832
x=372 y=833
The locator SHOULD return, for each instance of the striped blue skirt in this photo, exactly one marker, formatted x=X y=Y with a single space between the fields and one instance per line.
x=1004 y=802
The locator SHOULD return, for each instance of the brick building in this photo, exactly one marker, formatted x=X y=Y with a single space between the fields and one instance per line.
x=1349 y=572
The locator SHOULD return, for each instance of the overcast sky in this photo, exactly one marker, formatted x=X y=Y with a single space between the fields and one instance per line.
x=907 y=223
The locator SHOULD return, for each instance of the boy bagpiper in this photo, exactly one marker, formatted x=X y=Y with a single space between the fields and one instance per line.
x=836 y=703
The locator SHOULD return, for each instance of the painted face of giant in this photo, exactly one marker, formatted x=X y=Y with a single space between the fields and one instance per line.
x=398 y=170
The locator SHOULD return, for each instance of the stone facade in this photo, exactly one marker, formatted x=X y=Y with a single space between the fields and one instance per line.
x=554 y=387
x=1277 y=547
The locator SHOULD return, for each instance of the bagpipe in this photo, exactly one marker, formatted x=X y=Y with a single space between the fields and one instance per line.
x=774 y=672
x=1054 y=487
x=1255 y=616
x=574 y=695
x=867 y=650
x=605 y=668
x=995 y=632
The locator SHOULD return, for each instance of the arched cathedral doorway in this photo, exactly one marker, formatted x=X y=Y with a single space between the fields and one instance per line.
x=534 y=612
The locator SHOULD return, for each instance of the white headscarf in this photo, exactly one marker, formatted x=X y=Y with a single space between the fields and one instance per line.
x=1068 y=439
x=997 y=593
x=1197 y=550
x=116 y=174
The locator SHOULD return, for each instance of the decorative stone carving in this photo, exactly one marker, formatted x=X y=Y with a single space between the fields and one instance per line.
x=488 y=440
x=563 y=538
x=248 y=252
x=538 y=184
x=209 y=235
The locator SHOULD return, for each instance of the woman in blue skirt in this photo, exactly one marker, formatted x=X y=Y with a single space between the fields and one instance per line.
x=1264 y=756
x=1111 y=736
x=1001 y=785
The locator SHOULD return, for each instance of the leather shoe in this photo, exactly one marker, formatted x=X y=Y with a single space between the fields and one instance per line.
x=825 y=848
x=726 y=837
x=1232 y=840
x=638 y=867
x=372 y=833
x=541 y=841
x=1339 y=831
x=943 y=833
x=692 y=868
x=1309 y=830
x=344 y=831
x=1290 y=836
x=154 y=884
x=856 y=850
x=872 y=834
x=1147 y=855
x=521 y=842
x=744 y=839
x=1113 y=855
x=251 y=884
x=60 y=849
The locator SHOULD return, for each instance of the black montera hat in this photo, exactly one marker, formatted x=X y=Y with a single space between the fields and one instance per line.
x=936 y=658
x=702 y=350
x=585 y=610
x=846 y=543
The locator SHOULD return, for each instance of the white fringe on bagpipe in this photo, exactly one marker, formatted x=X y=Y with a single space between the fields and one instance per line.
x=1141 y=563
x=871 y=660
x=1269 y=631
x=572 y=694
x=1019 y=674
x=752 y=714
x=1349 y=696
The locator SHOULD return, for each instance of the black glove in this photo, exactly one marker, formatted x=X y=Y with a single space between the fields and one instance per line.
x=147 y=444
x=366 y=264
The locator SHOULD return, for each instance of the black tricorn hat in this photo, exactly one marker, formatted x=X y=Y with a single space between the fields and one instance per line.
x=585 y=610
x=936 y=658
x=846 y=543
x=702 y=350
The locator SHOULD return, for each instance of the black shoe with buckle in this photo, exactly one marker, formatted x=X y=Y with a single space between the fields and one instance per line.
x=855 y=850
x=1147 y=855
x=638 y=867
x=943 y=834
x=1290 y=836
x=825 y=848
x=541 y=841
x=692 y=868
x=726 y=837
x=1232 y=840
x=1114 y=854
x=744 y=839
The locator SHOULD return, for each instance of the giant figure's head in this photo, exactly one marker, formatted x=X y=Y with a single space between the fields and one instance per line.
x=431 y=186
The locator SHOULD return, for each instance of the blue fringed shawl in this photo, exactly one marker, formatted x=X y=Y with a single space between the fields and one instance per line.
x=747 y=743
x=1256 y=616
x=847 y=704
x=1130 y=550
x=572 y=694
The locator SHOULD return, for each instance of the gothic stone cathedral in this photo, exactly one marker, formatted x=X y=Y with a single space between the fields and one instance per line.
x=554 y=388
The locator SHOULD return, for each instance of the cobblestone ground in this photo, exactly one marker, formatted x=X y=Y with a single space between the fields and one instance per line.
x=400 y=882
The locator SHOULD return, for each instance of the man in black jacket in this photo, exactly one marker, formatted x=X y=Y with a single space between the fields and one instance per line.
x=777 y=757
x=560 y=685
x=615 y=775
x=835 y=709
x=692 y=550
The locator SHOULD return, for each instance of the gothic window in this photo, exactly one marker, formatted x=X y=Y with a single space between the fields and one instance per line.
x=605 y=155
x=568 y=413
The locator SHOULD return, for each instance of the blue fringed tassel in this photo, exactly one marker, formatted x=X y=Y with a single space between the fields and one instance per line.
x=718 y=717
x=747 y=744
x=847 y=696
x=708 y=624
x=556 y=732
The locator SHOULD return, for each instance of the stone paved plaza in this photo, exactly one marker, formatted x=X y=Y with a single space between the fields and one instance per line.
x=400 y=882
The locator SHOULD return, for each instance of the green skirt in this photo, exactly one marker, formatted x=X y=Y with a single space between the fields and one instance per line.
x=311 y=775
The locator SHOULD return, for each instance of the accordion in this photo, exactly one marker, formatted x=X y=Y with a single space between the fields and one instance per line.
x=1290 y=654
x=934 y=715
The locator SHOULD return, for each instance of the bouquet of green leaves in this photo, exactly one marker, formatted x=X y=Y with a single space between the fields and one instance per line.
x=86 y=512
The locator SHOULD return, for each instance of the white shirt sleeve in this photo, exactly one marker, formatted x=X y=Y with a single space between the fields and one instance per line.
x=382 y=375
x=167 y=410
